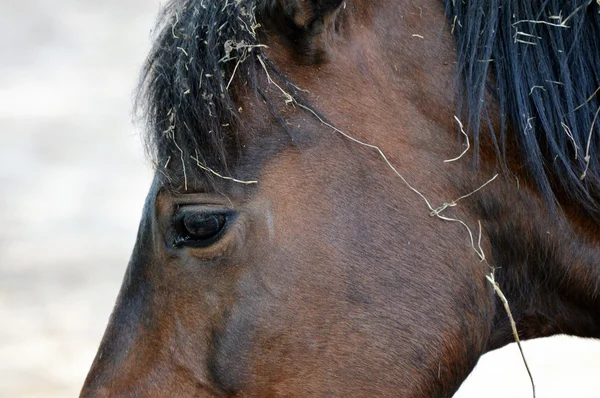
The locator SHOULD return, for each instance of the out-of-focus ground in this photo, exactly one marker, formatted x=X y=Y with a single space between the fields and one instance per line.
x=72 y=184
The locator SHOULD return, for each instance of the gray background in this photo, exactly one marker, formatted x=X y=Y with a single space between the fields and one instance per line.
x=72 y=183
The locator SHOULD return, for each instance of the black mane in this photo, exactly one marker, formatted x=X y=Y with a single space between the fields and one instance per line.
x=544 y=56
x=184 y=93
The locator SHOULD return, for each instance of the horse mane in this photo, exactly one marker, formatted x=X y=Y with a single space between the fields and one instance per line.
x=187 y=95
x=540 y=60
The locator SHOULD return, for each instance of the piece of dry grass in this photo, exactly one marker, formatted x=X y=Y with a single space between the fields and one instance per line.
x=462 y=131
x=513 y=326
x=206 y=168
x=587 y=157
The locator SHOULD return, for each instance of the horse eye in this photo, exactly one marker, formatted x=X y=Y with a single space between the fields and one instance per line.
x=198 y=229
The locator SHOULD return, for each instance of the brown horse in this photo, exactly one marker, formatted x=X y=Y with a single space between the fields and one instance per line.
x=324 y=219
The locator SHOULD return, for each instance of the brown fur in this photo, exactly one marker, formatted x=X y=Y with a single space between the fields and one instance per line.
x=334 y=280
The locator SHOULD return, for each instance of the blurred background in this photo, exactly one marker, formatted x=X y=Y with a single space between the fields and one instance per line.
x=73 y=179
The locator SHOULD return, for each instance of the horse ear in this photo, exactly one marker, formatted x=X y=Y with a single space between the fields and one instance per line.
x=302 y=23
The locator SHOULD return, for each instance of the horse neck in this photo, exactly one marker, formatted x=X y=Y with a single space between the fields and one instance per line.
x=548 y=265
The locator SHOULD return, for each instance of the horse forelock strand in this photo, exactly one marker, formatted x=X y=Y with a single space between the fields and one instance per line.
x=187 y=92
x=542 y=61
